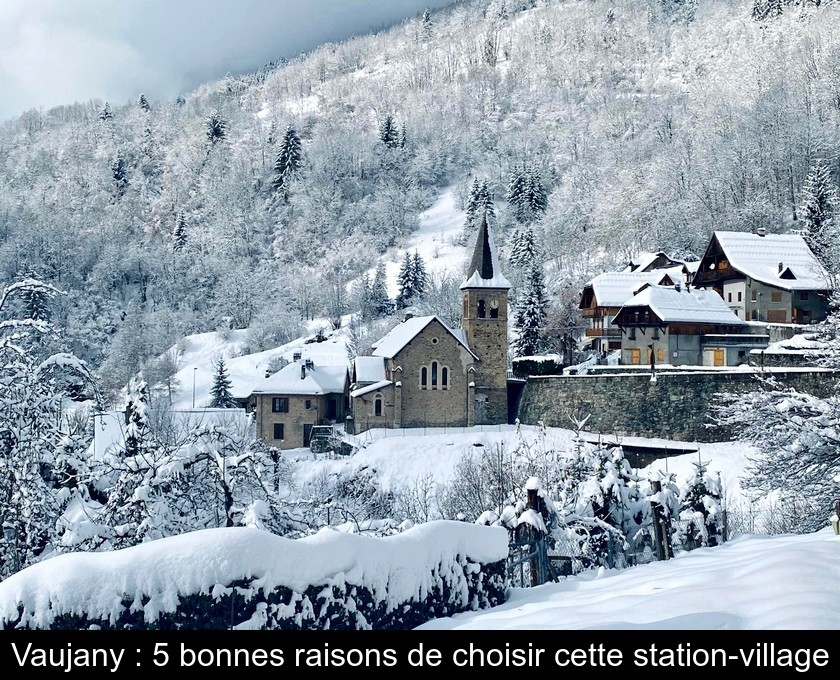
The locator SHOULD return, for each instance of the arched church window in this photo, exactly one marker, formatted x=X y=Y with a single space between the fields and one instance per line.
x=424 y=378
x=377 y=405
x=434 y=374
x=444 y=378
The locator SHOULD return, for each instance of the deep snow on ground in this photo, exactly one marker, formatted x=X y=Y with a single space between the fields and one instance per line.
x=402 y=456
x=752 y=582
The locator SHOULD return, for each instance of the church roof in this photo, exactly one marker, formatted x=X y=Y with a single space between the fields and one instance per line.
x=396 y=340
x=484 y=270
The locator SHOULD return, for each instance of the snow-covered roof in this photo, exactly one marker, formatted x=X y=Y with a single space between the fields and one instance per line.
x=394 y=342
x=693 y=305
x=484 y=270
x=369 y=370
x=759 y=258
x=642 y=261
x=613 y=289
x=370 y=388
x=319 y=379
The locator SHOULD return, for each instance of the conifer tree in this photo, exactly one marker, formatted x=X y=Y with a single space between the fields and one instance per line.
x=419 y=275
x=819 y=213
x=34 y=301
x=524 y=252
x=179 y=234
x=405 y=281
x=388 y=133
x=536 y=197
x=485 y=203
x=222 y=397
x=530 y=315
x=215 y=127
x=403 y=136
x=379 y=300
x=516 y=193
x=143 y=103
x=760 y=10
x=289 y=161
x=426 y=25
x=119 y=173
x=106 y=114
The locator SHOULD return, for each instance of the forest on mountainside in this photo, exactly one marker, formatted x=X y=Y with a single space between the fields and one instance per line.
x=253 y=201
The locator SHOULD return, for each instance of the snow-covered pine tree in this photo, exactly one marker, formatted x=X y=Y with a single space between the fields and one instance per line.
x=379 y=300
x=179 y=234
x=701 y=512
x=775 y=8
x=516 y=193
x=119 y=173
x=819 y=213
x=421 y=278
x=106 y=114
x=405 y=281
x=524 y=251
x=220 y=391
x=388 y=133
x=143 y=103
x=760 y=10
x=535 y=195
x=426 y=25
x=215 y=128
x=485 y=204
x=34 y=301
x=530 y=315
x=289 y=161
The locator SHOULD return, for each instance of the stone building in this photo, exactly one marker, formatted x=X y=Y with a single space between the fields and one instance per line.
x=683 y=327
x=771 y=278
x=298 y=397
x=424 y=373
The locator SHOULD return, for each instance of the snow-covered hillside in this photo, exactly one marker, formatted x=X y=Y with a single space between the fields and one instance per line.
x=753 y=582
x=196 y=354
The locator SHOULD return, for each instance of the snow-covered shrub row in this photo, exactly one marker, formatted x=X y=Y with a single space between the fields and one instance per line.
x=249 y=579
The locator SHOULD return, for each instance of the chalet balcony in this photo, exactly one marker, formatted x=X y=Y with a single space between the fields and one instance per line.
x=603 y=332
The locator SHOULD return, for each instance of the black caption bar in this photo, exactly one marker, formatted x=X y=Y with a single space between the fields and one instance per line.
x=784 y=654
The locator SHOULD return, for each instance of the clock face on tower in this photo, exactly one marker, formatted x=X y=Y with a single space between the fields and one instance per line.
x=494 y=304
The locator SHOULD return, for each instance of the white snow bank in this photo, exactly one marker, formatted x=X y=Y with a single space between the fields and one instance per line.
x=396 y=569
x=757 y=583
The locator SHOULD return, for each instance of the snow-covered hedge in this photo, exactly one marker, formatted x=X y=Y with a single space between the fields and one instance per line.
x=246 y=578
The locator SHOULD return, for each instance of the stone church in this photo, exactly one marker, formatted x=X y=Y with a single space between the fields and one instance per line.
x=426 y=374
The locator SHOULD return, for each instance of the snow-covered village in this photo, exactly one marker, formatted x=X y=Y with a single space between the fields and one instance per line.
x=489 y=314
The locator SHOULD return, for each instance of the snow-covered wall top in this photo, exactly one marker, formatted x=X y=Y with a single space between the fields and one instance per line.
x=157 y=575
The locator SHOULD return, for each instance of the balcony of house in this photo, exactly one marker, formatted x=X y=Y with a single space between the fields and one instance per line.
x=603 y=332
x=751 y=340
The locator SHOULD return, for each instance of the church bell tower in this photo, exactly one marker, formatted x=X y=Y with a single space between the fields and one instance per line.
x=484 y=318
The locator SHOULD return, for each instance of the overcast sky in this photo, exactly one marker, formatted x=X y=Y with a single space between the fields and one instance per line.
x=61 y=51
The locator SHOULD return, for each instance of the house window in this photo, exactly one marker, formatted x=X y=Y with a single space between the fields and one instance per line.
x=729 y=297
x=753 y=295
x=754 y=315
x=279 y=405
x=444 y=378
x=482 y=309
x=308 y=404
x=633 y=333
x=377 y=405
x=424 y=378
x=740 y=296
x=434 y=374
x=655 y=334
x=279 y=431
x=803 y=294
x=776 y=296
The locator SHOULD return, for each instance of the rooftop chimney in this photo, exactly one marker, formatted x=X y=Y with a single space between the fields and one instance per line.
x=677 y=286
x=297 y=355
x=781 y=267
x=761 y=231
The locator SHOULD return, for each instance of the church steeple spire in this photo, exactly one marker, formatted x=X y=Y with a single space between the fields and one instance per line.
x=484 y=270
